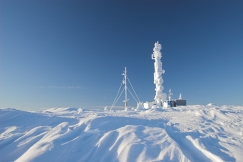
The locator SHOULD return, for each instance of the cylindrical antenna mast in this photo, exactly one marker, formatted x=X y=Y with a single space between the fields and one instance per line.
x=160 y=97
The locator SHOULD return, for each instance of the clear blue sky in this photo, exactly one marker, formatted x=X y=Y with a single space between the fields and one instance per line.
x=72 y=53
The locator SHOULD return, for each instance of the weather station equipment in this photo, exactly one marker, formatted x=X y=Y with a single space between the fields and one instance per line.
x=125 y=80
x=160 y=98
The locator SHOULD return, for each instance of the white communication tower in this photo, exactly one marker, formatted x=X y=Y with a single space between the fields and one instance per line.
x=160 y=97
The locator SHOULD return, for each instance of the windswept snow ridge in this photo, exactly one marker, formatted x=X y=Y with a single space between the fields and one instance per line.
x=191 y=133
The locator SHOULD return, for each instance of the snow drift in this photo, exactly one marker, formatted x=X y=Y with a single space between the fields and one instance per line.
x=191 y=133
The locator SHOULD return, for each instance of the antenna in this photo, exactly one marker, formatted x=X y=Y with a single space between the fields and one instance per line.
x=160 y=97
x=180 y=96
x=125 y=88
x=170 y=95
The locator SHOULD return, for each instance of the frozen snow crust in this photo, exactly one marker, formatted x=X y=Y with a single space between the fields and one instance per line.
x=191 y=133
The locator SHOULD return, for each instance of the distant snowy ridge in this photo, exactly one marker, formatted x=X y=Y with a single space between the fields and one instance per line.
x=190 y=133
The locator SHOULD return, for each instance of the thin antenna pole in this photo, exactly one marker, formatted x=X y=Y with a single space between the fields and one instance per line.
x=125 y=83
x=125 y=89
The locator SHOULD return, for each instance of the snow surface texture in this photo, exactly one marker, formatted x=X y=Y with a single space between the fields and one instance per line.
x=190 y=133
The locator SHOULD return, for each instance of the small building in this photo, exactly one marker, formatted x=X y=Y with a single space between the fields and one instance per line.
x=180 y=102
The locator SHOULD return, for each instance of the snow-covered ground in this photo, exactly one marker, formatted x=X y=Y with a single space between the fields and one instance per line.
x=190 y=133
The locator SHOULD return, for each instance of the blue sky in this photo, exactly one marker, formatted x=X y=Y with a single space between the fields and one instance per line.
x=72 y=53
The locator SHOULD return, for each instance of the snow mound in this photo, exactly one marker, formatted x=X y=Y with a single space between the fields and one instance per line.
x=188 y=133
x=63 y=111
x=210 y=104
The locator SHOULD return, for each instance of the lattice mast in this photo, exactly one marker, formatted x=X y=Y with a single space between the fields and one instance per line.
x=125 y=90
x=158 y=71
